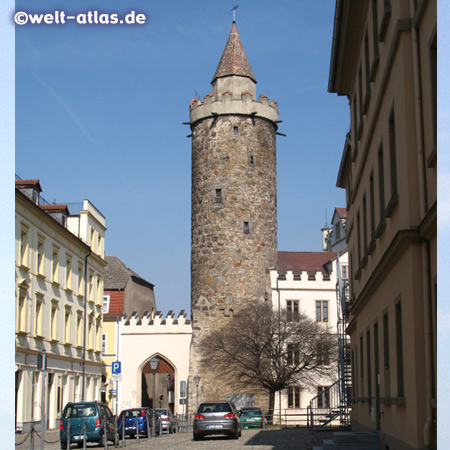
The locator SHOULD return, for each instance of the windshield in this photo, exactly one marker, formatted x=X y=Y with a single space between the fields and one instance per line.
x=162 y=411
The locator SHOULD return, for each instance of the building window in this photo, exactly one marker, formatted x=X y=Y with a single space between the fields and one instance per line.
x=38 y=313
x=40 y=257
x=69 y=273
x=97 y=335
x=106 y=301
x=23 y=251
x=365 y=223
x=294 y=397
x=99 y=290
x=358 y=236
x=99 y=244
x=80 y=279
x=393 y=157
x=386 y=340
x=381 y=182
x=92 y=238
x=337 y=231
x=369 y=366
x=235 y=130
x=246 y=228
x=104 y=343
x=218 y=196
x=323 y=356
x=322 y=310
x=323 y=399
x=91 y=285
x=372 y=207
x=293 y=355
x=21 y=318
x=55 y=264
x=91 y=333
x=292 y=310
x=252 y=160
x=344 y=271
x=67 y=314
x=399 y=345
x=54 y=321
x=79 y=329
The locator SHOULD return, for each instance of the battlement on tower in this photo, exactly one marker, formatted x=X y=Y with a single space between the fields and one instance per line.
x=156 y=323
x=227 y=102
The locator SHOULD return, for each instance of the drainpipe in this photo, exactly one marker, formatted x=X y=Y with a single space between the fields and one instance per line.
x=83 y=390
x=423 y=207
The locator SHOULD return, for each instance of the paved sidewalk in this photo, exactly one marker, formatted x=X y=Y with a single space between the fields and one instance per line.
x=253 y=439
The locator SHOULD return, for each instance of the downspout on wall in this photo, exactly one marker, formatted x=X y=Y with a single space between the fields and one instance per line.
x=83 y=390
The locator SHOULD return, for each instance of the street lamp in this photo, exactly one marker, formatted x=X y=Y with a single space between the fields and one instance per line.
x=196 y=381
x=154 y=365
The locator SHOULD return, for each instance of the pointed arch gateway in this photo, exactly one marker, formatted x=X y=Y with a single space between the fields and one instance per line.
x=164 y=387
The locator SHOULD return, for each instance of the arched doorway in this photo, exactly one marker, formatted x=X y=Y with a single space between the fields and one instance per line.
x=164 y=384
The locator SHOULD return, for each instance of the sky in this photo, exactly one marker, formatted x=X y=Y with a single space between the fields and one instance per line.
x=100 y=112
x=96 y=112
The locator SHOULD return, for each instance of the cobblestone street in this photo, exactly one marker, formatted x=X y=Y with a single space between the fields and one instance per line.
x=270 y=439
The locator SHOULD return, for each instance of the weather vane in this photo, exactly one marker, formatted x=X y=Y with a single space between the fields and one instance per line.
x=234 y=8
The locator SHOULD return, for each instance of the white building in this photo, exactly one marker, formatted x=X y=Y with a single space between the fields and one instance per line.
x=305 y=283
x=59 y=295
x=334 y=238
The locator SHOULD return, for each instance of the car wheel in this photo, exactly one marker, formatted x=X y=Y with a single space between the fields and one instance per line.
x=63 y=445
x=79 y=444
x=235 y=435
x=197 y=437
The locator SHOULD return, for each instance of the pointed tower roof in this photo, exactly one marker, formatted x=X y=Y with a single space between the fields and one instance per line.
x=234 y=60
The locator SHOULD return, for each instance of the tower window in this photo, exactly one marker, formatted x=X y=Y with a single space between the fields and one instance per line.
x=252 y=160
x=246 y=228
x=218 y=198
x=235 y=130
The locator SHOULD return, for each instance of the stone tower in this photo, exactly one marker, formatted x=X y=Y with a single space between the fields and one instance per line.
x=234 y=202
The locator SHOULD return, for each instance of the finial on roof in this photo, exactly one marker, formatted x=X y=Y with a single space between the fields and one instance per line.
x=234 y=8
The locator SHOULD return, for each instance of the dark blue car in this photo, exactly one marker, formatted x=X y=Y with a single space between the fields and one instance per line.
x=126 y=421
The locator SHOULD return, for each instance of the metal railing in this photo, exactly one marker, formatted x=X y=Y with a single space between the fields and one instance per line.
x=329 y=409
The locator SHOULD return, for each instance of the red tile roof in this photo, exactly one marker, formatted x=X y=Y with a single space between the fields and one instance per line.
x=28 y=183
x=342 y=212
x=234 y=60
x=310 y=262
x=116 y=302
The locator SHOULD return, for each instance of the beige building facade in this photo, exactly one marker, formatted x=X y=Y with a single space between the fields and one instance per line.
x=59 y=291
x=384 y=60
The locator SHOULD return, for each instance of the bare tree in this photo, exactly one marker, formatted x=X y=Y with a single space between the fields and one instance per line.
x=265 y=348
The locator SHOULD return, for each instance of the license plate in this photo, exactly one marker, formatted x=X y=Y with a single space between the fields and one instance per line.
x=78 y=438
x=213 y=427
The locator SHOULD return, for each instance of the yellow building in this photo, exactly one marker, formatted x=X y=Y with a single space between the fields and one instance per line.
x=384 y=60
x=59 y=293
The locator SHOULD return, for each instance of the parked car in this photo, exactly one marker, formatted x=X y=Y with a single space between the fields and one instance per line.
x=126 y=422
x=216 y=418
x=95 y=415
x=168 y=422
x=252 y=418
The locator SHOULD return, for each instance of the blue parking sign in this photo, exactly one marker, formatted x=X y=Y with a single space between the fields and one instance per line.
x=115 y=367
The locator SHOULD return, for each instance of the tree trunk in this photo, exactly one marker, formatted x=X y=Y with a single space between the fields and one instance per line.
x=271 y=407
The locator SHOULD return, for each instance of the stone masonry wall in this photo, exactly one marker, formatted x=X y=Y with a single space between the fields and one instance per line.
x=233 y=182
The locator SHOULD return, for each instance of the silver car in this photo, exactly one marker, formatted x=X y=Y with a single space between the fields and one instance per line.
x=216 y=418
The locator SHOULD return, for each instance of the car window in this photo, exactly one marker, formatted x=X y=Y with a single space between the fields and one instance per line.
x=79 y=411
x=214 y=407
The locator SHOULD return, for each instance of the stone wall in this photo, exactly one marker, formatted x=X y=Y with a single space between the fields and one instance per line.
x=234 y=224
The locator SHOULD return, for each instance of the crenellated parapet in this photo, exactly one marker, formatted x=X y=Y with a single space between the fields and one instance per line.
x=303 y=279
x=156 y=323
x=228 y=102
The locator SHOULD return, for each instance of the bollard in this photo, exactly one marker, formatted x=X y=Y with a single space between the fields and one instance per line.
x=84 y=433
x=32 y=435
x=123 y=433
x=68 y=435
x=105 y=433
x=149 y=434
x=136 y=425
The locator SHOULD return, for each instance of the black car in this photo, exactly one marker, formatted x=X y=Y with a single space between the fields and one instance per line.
x=216 y=418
